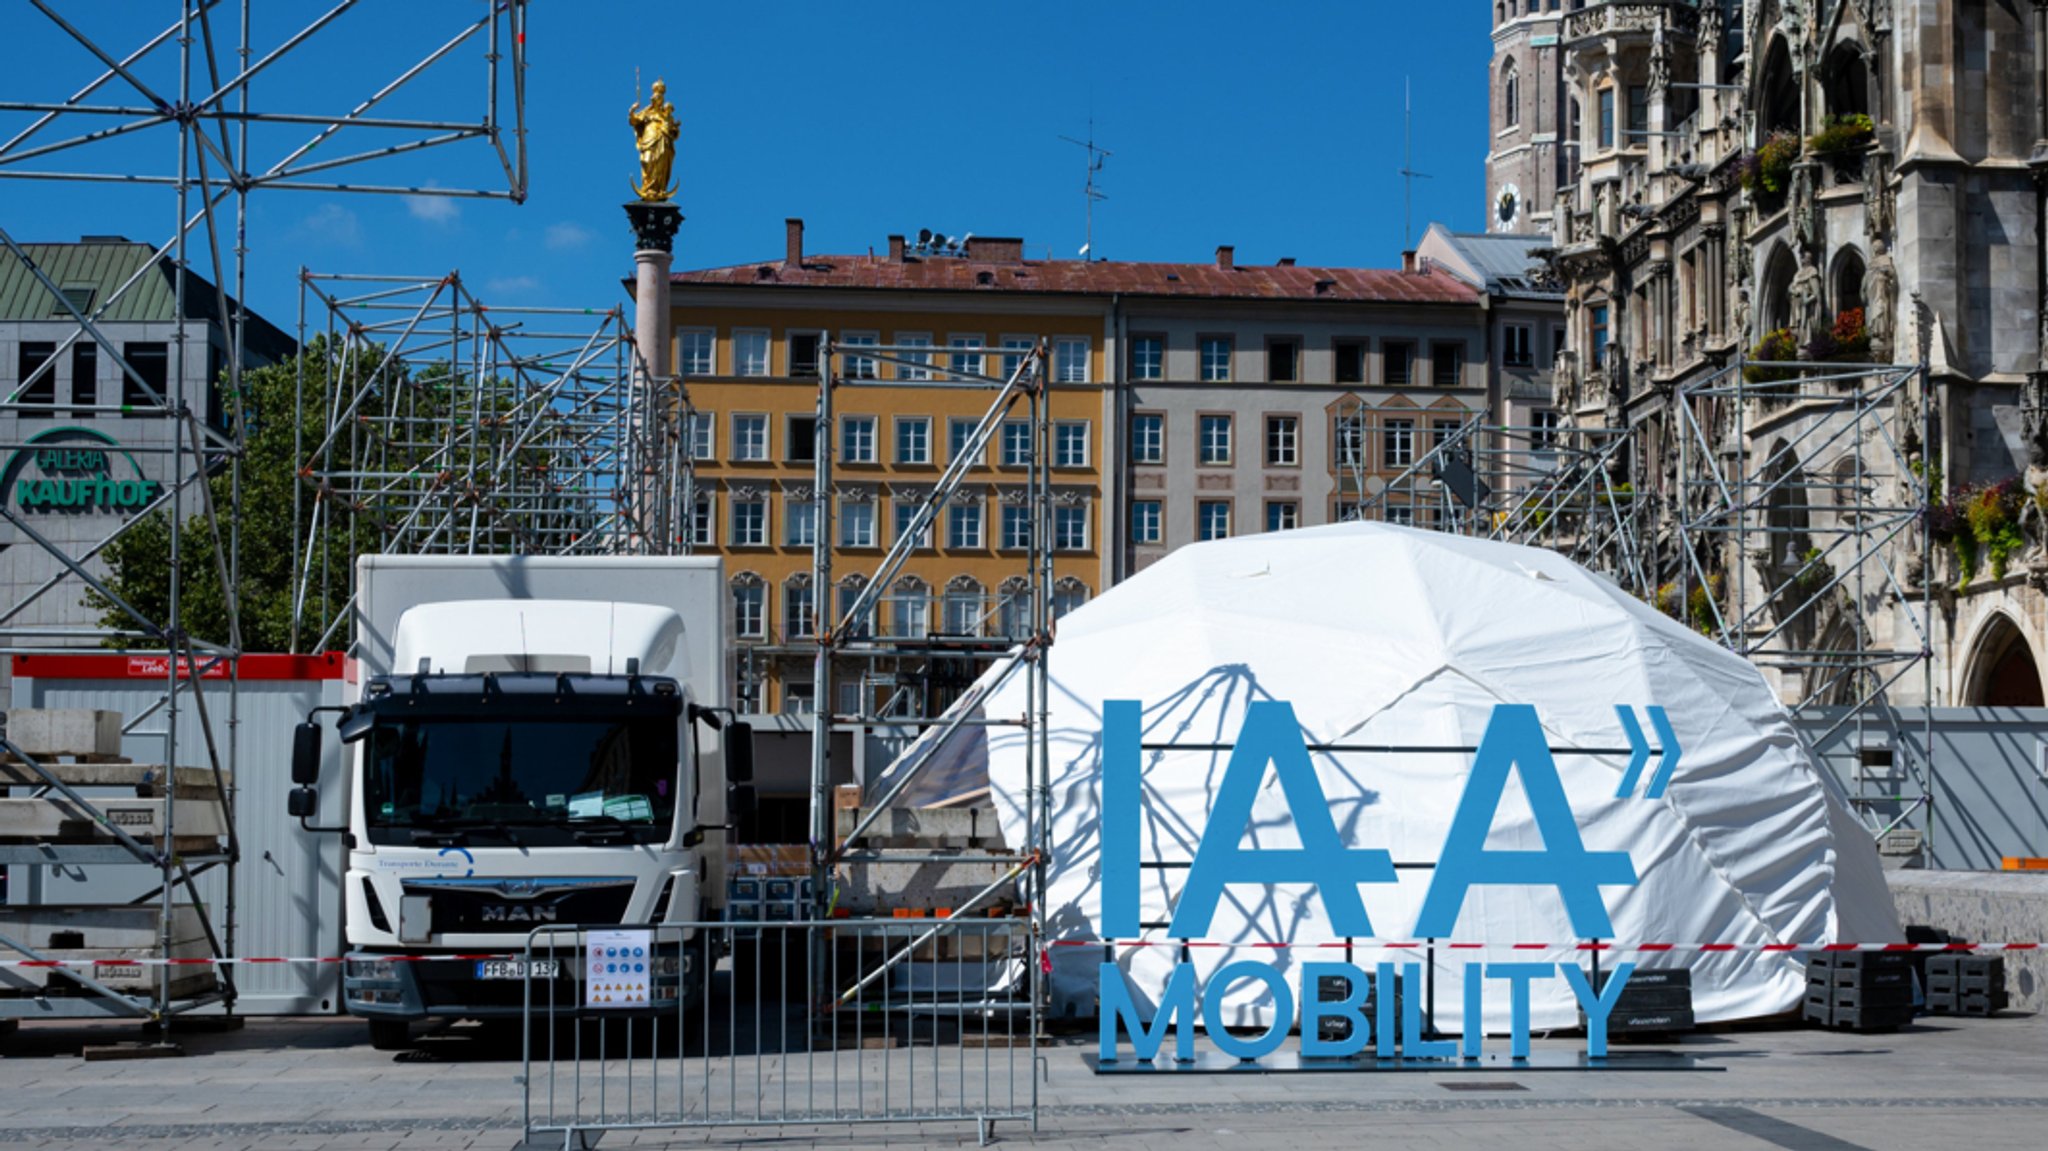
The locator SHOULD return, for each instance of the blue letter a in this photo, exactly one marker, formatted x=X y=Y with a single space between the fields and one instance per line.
x=1514 y=739
x=1270 y=735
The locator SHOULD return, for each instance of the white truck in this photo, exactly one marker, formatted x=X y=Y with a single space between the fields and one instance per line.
x=536 y=740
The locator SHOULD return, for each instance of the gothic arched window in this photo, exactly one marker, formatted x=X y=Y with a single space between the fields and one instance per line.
x=1510 y=95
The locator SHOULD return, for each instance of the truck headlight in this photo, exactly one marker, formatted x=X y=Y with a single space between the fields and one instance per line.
x=371 y=969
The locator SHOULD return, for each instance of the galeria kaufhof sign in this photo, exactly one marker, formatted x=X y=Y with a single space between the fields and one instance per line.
x=76 y=470
x=1395 y=1028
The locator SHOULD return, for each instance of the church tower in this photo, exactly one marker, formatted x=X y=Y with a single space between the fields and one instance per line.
x=1527 y=157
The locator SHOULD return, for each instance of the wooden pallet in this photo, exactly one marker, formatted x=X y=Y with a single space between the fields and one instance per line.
x=192 y=782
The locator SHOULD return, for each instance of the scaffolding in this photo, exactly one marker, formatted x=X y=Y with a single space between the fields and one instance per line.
x=433 y=423
x=185 y=93
x=1023 y=619
x=1778 y=508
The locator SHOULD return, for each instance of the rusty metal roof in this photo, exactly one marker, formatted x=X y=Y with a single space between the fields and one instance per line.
x=1094 y=277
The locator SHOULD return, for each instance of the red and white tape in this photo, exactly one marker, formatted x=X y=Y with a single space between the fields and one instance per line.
x=1581 y=945
x=1338 y=945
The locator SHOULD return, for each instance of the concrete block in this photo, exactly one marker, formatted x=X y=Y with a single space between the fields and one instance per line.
x=65 y=731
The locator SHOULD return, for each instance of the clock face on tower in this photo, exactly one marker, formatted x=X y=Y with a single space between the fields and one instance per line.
x=1507 y=208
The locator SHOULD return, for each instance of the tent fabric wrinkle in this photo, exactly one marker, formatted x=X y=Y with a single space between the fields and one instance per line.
x=1387 y=636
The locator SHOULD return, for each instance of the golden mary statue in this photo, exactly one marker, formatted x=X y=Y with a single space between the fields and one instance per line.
x=655 y=131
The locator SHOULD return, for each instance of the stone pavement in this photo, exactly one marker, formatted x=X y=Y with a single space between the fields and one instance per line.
x=287 y=1084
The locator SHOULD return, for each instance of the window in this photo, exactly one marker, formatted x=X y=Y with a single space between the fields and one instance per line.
x=1215 y=439
x=1016 y=528
x=1070 y=444
x=1283 y=441
x=958 y=432
x=1013 y=610
x=1556 y=341
x=749 y=522
x=963 y=527
x=967 y=363
x=702 y=530
x=703 y=433
x=1400 y=514
x=906 y=515
x=749 y=437
x=910 y=609
x=849 y=596
x=1510 y=95
x=30 y=358
x=1067 y=595
x=799 y=612
x=749 y=609
x=857 y=439
x=1145 y=522
x=1282 y=515
x=152 y=362
x=1518 y=349
x=1213 y=520
x=1148 y=438
x=1441 y=432
x=1016 y=443
x=859 y=367
x=1283 y=361
x=856 y=522
x=1543 y=432
x=1216 y=358
x=1148 y=358
x=1599 y=340
x=913 y=439
x=1399 y=362
x=964 y=607
x=803 y=353
x=917 y=368
x=799 y=523
x=85 y=374
x=1606 y=123
x=1397 y=443
x=1445 y=364
x=1014 y=348
x=1347 y=433
x=1638 y=115
x=1070 y=360
x=750 y=353
x=802 y=445
x=697 y=347
x=1070 y=528
x=1350 y=357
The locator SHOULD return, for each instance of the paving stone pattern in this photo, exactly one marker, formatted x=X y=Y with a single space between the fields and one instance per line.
x=283 y=1085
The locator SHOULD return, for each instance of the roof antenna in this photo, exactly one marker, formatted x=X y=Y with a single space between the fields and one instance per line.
x=1408 y=173
x=1089 y=191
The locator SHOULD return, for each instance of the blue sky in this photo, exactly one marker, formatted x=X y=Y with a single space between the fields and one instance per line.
x=1275 y=127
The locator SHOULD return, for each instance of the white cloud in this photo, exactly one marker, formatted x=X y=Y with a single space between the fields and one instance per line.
x=434 y=209
x=510 y=286
x=567 y=237
x=335 y=225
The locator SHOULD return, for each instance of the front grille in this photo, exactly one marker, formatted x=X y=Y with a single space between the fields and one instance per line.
x=519 y=905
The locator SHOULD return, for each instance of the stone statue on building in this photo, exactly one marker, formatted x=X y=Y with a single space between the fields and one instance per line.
x=1880 y=301
x=1805 y=210
x=655 y=130
x=1877 y=193
x=1742 y=332
x=1804 y=294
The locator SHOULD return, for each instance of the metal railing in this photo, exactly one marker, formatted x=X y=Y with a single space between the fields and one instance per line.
x=706 y=1025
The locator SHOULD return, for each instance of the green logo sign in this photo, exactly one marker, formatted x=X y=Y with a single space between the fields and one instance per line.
x=76 y=470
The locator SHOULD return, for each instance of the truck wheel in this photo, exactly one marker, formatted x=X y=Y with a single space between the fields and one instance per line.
x=390 y=1034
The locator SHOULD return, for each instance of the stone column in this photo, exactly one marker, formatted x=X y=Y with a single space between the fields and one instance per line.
x=654 y=233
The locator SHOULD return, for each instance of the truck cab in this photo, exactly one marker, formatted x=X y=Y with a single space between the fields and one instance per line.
x=521 y=763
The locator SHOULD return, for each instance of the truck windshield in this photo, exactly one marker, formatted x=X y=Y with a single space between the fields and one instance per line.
x=537 y=782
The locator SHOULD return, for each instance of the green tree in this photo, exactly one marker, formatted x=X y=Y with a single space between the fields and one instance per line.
x=139 y=561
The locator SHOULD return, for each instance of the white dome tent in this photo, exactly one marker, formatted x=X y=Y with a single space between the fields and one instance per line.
x=1391 y=636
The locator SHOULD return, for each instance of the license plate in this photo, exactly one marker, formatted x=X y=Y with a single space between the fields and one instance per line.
x=516 y=968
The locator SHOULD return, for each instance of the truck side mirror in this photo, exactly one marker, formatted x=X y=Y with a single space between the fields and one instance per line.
x=739 y=753
x=306 y=754
x=302 y=803
x=741 y=803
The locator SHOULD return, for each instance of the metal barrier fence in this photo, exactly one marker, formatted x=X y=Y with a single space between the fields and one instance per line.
x=700 y=1025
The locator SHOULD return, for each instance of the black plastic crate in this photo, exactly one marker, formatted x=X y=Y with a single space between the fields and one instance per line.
x=1857 y=961
x=1871 y=1018
x=1644 y=978
x=1625 y=1021
x=1980 y=1005
x=1855 y=997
